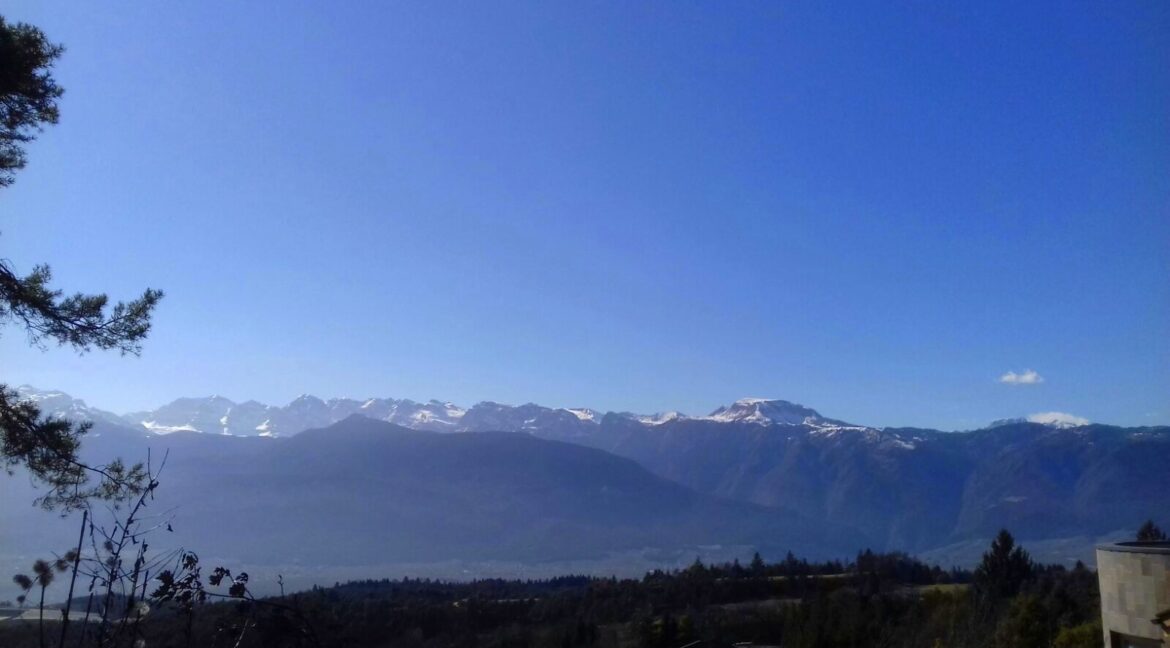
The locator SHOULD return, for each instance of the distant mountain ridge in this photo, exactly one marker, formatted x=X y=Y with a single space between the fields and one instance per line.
x=62 y=405
x=219 y=415
x=899 y=488
x=367 y=492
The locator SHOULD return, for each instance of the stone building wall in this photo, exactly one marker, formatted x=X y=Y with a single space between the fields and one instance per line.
x=1135 y=586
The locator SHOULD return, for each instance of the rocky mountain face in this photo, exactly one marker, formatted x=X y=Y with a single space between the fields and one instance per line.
x=907 y=489
x=60 y=404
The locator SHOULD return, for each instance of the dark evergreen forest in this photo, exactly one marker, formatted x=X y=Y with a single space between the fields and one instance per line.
x=874 y=600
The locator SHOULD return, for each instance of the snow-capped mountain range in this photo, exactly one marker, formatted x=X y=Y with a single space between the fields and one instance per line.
x=219 y=415
x=1047 y=476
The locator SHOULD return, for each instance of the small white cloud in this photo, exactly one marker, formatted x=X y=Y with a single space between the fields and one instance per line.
x=1058 y=419
x=1026 y=377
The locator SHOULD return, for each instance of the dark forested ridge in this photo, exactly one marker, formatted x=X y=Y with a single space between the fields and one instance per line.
x=916 y=489
x=871 y=600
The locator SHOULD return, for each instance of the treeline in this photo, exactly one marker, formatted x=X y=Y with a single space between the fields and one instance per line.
x=729 y=581
x=878 y=599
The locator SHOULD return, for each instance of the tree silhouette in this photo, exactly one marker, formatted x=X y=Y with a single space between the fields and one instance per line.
x=1150 y=533
x=42 y=577
x=48 y=447
x=28 y=90
x=1004 y=569
x=757 y=565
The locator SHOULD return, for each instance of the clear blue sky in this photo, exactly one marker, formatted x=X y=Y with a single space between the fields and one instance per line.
x=876 y=211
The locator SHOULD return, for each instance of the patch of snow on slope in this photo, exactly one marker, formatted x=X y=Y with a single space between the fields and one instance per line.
x=158 y=428
x=583 y=414
x=1058 y=419
x=660 y=418
x=453 y=411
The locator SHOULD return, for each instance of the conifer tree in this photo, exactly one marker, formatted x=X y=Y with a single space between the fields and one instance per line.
x=1150 y=533
x=48 y=447
x=757 y=565
x=28 y=93
x=1004 y=569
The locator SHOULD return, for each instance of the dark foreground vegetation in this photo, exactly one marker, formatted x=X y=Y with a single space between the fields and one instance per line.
x=873 y=600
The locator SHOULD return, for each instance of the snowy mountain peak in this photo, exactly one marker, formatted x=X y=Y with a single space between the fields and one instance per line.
x=28 y=392
x=1058 y=420
x=57 y=404
x=762 y=411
